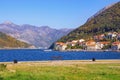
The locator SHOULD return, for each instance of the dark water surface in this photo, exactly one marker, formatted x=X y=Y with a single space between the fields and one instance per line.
x=39 y=55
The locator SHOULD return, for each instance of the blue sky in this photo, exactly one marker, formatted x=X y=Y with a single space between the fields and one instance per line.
x=54 y=13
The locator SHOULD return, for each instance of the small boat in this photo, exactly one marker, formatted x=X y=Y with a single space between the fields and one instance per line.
x=48 y=50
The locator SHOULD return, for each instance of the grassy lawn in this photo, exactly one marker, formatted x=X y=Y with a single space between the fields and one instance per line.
x=61 y=70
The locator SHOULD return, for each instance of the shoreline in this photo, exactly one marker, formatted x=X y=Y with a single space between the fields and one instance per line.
x=70 y=50
x=17 y=48
x=77 y=50
x=97 y=60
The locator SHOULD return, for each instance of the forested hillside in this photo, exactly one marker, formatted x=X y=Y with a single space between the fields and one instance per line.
x=107 y=20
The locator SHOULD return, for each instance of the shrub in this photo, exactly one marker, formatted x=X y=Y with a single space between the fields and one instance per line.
x=2 y=67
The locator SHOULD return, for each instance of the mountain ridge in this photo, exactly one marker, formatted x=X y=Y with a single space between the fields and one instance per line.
x=106 y=21
x=42 y=36
x=102 y=10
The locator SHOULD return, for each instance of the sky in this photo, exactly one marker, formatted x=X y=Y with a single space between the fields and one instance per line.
x=54 y=13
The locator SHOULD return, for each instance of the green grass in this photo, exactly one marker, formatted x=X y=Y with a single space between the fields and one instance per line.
x=109 y=71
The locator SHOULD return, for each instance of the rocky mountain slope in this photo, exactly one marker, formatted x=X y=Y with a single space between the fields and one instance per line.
x=9 y=42
x=38 y=36
x=106 y=20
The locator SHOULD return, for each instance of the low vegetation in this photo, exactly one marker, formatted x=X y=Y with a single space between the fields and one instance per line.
x=2 y=67
x=9 y=42
x=60 y=70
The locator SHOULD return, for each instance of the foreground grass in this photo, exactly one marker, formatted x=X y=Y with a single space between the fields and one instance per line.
x=60 y=70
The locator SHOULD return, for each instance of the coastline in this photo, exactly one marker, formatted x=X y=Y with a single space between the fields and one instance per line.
x=69 y=61
x=76 y=50
x=18 y=48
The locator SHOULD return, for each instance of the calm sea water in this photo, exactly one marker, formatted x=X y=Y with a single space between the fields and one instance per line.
x=39 y=55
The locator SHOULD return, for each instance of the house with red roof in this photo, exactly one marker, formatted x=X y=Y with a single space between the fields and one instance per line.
x=115 y=45
x=91 y=45
x=104 y=43
x=60 y=46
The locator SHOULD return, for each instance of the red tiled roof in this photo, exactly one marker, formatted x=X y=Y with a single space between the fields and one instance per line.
x=91 y=43
x=60 y=43
x=104 y=42
x=116 y=43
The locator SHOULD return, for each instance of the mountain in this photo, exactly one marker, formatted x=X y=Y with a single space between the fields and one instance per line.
x=42 y=36
x=9 y=42
x=106 y=20
x=102 y=10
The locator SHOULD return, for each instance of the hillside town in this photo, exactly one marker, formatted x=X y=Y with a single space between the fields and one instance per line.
x=106 y=41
